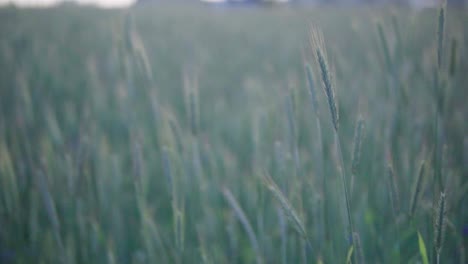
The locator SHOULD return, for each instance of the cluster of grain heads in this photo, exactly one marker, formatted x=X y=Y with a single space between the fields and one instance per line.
x=318 y=45
x=439 y=229
x=242 y=217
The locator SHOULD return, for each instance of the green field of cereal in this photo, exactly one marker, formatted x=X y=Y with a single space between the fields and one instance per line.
x=193 y=134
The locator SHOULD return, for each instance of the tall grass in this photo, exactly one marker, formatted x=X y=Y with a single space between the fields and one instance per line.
x=328 y=85
x=179 y=135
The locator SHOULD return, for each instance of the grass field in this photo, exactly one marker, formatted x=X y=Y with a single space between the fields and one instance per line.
x=198 y=135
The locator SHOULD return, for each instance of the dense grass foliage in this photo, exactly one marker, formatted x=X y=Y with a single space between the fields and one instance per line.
x=202 y=135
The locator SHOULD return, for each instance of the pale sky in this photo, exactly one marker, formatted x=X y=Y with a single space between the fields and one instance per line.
x=103 y=3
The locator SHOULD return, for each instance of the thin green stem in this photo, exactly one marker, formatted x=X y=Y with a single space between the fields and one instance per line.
x=350 y=228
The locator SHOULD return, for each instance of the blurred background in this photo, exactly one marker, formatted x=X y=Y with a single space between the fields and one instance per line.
x=123 y=3
x=185 y=131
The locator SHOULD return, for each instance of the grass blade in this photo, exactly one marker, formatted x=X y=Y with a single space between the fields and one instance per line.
x=422 y=249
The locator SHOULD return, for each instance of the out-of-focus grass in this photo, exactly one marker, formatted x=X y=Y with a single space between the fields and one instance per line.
x=129 y=128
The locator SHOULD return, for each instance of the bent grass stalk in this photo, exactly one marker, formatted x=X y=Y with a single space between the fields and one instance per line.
x=288 y=210
x=244 y=221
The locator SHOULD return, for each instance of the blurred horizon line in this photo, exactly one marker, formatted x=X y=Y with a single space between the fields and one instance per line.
x=226 y=3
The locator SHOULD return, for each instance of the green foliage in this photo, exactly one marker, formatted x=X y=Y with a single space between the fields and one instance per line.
x=349 y=255
x=422 y=249
x=143 y=135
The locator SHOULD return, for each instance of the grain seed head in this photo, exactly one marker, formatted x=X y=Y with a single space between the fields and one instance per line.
x=318 y=46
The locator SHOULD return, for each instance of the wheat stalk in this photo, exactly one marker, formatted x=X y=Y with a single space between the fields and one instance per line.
x=310 y=82
x=317 y=43
x=439 y=229
x=440 y=98
x=453 y=57
x=440 y=34
x=244 y=221
x=357 y=143
x=356 y=154
x=393 y=190
x=417 y=188
x=51 y=210
x=316 y=39
x=386 y=50
x=359 y=255
x=286 y=206
x=321 y=174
